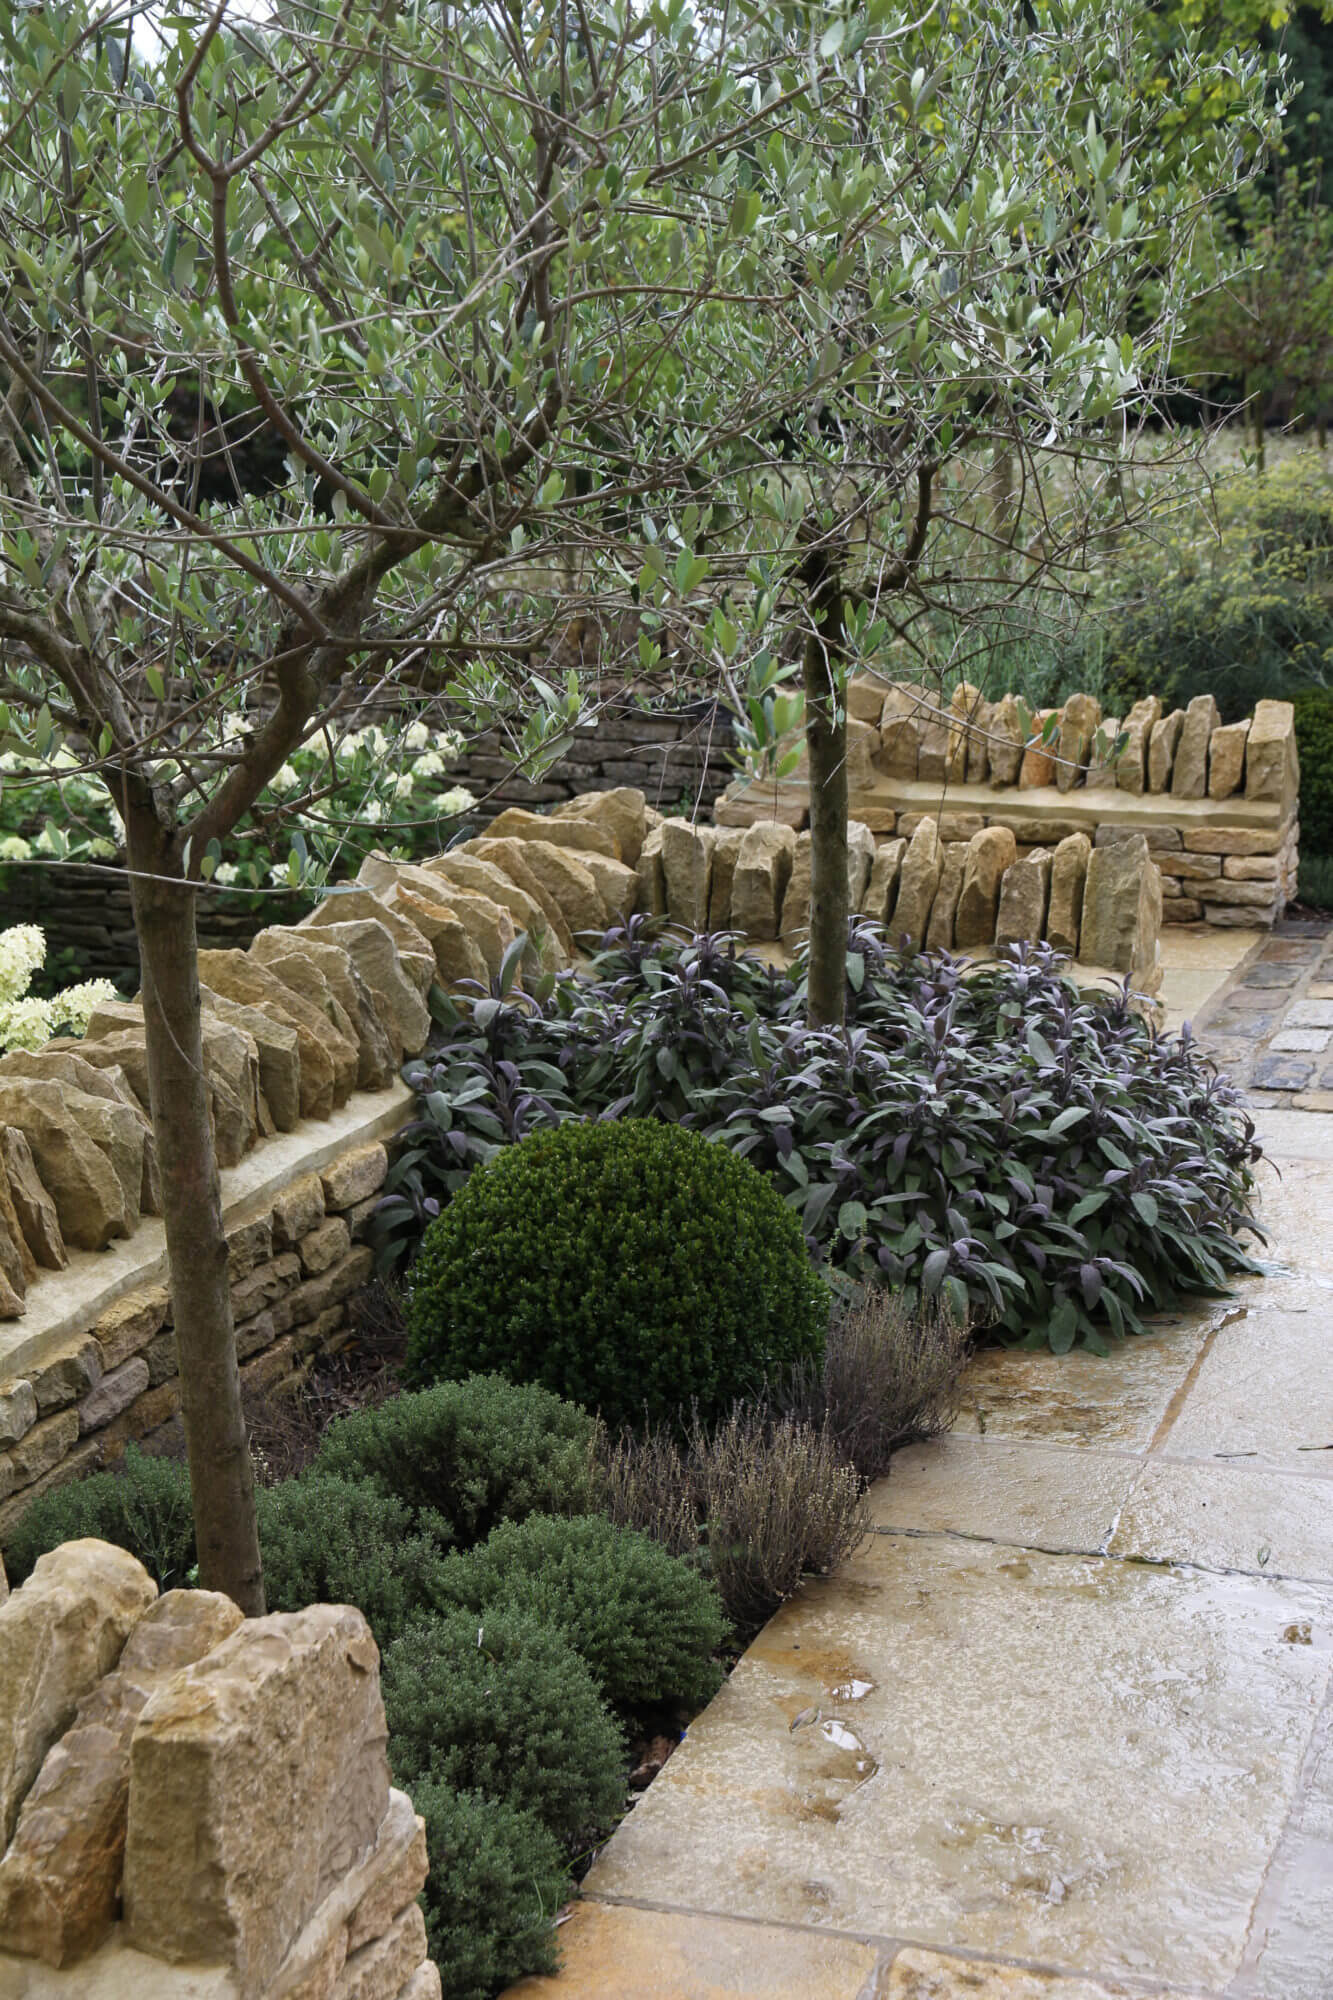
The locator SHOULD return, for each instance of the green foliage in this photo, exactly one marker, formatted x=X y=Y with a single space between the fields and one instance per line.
x=1244 y=613
x=471 y=1453
x=645 y=1622
x=1315 y=881
x=632 y=1266
x=143 y=1506
x=497 y=1879
x=1314 y=746
x=496 y=1703
x=337 y=1541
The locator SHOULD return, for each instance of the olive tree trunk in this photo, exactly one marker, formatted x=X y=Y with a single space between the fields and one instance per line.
x=221 y=1474
x=826 y=754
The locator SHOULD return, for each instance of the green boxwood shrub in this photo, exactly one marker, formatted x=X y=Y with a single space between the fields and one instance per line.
x=338 y=1541
x=632 y=1266
x=497 y=1879
x=646 y=1623
x=143 y=1506
x=1314 y=746
x=495 y=1703
x=471 y=1453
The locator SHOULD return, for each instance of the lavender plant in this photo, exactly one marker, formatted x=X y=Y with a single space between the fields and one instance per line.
x=1037 y=1160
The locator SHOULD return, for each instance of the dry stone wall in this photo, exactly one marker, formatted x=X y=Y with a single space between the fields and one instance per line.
x=195 y=1805
x=1216 y=803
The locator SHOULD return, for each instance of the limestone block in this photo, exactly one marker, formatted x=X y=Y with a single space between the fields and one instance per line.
x=686 y=861
x=324 y=1072
x=114 y=1393
x=1251 y=868
x=978 y=744
x=583 y=834
x=747 y=799
x=918 y=880
x=379 y=1051
x=1189 y=773
x=899 y=746
x=147 y=1413
x=1234 y=840
x=1131 y=764
x=1069 y=874
x=258 y=1778
x=988 y=854
x=617 y=885
x=1078 y=725
x=249 y=1242
x=107 y=1080
x=1163 y=741
x=949 y=825
x=1122 y=908
x=60 y=1880
x=115 y=1040
x=795 y=917
x=467 y=871
x=251 y=1336
x=1254 y=894
x=1248 y=918
x=390 y=978
x=59 y=1635
x=398 y=1882
x=860 y=860
x=11 y=1301
x=425 y=1983
x=18 y=1410
x=127 y=1327
x=358 y=906
x=508 y=857
x=621 y=812
x=17 y=1262
x=324 y=1246
x=1226 y=759
x=297 y=1210
x=904 y=698
x=932 y=764
x=381 y=1969
x=1101 y=774
x=487 y=922
x=1193 y=867
x=1272 y=769
x=865 y=697
x=298 y=972
x=562 y=875
x=1170 y=886
x=1160 y=839
x=1005 y=750
x=354 y=1175
x=940 y=928
x=1038 y=767
x=727 y=843
x=67 y=1373
x=277 y=1050
x=43 y=1447
x=882 y=884
x=762 y=871
x=458 y=954
x=1187 y=911
x=652 y=875
x=862 y=749
x=81 y=1180
x=260 y=1288
x=1024 y=896
x=965 y=705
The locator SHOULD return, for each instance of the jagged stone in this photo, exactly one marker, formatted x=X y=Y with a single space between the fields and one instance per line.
x=988 y=854
x=563 y=876
x=727 y=843
x=62 y=1128
x=67 y=1372
x=617 y=885
x=964 y=715
x=622 y=813
x=1163 y=742
x=60 y=1879
x=297 y=1210
x=393 y=986
x=277 y=1049
x=978 y=743
x=582 y=834
x=899 y=746
x=299 y=973
x=117 y=1038
x=1122 y=908
x=18 y=1410
x=1024 y=892
x=59 y=1635
x=1226 y=759
x=932 y=763
x=860 y=860
x=359 y=906
x=1069 y=872
x=918 y=880
x=652 y=875
x=114 y=1393
x=763 y=868
x=944 y=908
x=324 y=1072
x=1005 y=750
x=1101 y=770
x=1078 y=724
x=508 y=856
x=1189 y=772
x=354 y=1175
x=1131 y=764
x=17 y=1263
x=1038 y=767
x=381 y=1969
x=1272 y=768
x=686 y=865
x=882 y=884
x=258 y=1778
x=544 y=952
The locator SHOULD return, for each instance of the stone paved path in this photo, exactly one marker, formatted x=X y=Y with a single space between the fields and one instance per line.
x=1064 y=1730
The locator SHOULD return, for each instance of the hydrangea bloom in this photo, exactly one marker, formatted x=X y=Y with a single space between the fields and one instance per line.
x=25 y=1021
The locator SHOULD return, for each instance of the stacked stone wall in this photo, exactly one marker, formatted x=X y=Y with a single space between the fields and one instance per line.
x=195 y=1805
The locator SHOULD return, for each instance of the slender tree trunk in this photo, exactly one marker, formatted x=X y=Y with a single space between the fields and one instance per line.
x=1257 y=412
x=826 y=750
x=221 y=1474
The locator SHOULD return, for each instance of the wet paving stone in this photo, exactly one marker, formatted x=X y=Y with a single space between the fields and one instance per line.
x=1265 y=974
x=1282 y=1073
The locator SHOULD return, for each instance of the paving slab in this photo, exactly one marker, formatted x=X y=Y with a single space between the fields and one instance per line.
x=927 y=1975
x=1080 y=1763
x=1228 y=1516
x=1294 y=1135
x=1028 y=1495
x=1264 y=1388
x=611 y=1952
x=1295 y=1203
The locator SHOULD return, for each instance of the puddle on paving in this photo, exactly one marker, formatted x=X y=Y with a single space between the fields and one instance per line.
x=851 y=1690
x=832 y=1760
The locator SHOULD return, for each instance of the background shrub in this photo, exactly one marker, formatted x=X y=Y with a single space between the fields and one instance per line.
x=471 y=1453
x=645 y=1623
x=632 y=1266
x=1314 y=746
x=337 y=1541
x=143 y=1506
x=495 y=1703
x=497 y=1879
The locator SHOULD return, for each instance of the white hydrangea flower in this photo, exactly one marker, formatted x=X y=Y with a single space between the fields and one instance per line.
x=75 y=1006
x=284 y=780
x=457 y=800
x=404 y=785
x=14 y=848
x=22 y=950
x=418 y=736
x=429 y=766
x=97 y=850
x=449 y=743
x=25 y=1023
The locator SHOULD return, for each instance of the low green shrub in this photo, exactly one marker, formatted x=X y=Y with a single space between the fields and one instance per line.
x=143 y=1506
x=495 y=1703
x=471 y=1453
x=632 y=1266
x=645 y=1623
x=1314 y=747
x=1315 y=881
x=338 y=1541
x=497 y=1879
